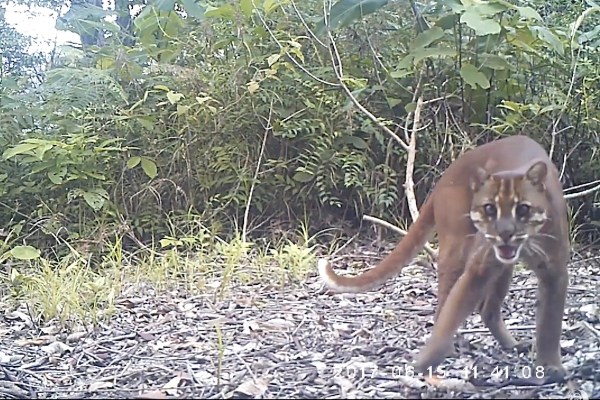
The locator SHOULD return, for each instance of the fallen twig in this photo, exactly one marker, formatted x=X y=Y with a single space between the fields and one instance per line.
x=432 y=252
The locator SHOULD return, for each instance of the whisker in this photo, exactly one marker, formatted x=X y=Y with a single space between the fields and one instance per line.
x=537 y=249
x=546 y=235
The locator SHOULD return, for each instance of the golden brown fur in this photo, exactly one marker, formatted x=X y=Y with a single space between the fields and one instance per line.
x=497 y=204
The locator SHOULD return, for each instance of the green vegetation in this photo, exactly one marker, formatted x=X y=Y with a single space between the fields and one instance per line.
x=194 y=138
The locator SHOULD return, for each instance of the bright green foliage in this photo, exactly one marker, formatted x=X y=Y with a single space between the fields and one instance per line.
x=15 y=59
x=173 y=125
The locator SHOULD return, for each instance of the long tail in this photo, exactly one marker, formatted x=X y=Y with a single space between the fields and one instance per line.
x=417 y=236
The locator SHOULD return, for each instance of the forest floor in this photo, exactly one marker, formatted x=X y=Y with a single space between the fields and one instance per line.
x=261 y=339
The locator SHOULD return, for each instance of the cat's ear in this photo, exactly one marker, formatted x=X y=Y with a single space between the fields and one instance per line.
x=536 y=174
x=477 y=180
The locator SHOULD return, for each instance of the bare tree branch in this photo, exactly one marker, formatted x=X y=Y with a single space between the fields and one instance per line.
x=337 y=67
x=431 y=251
x=583 y=192
x=258 y=164
x=409 y=185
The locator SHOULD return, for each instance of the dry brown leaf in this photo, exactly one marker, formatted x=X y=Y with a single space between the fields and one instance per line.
x=189 y=344
x=214 y=284
x=242 y=349
x=249 y=326
x=33 y=341
x=456 y=384
x=411 y=382
x=205 y=378
x=245 y=301
x=253 y=387
x=185 y=307
x=50 y=330
x=217 y=321
x=152 y=395
x=38 y=362
x=147 y=336
x=320 y=366
x=10 y=358
x=592 y=310
x=171 y=386
x=341 y=327
x=131 y=301
x=277 y=324
x=76 y=336
x=344 y=383
x=173 y=383
x=433 y=380
x=18 y=315
x=98 y=385
x=56 y=348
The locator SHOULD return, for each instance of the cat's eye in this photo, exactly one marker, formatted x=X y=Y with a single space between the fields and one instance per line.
x=522 y=210
x=490 y=210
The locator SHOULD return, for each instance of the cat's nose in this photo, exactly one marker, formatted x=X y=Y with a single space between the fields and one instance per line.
x=506 y=229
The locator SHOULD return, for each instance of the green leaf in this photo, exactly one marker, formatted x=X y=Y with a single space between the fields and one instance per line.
x=133 y=161
x=550 y=38
x=427 y=37
x=273 y=58
x=42 y=149
x=456 y=6
x=301 y=176
x=495 y=62
x=19 y=149
x=481 y=25
x=410 y=107
x=550 y=107
x=247 y=7
x=95 y=175
x=94 y=200
x=174 y=97
x=357 y=142
x=81 y=18
x=589 y=35
x=510 y=105
x=149 y=167
x=55 y=177
x=401 y=73
x=522 y=38
x=270 y=5
x=420 y=54
x=225 y=11
x=393 y=102
x=164 y=5
x=25 y=252
x=489 y=9
x=345 y=12
x=193 y=9
x=447 y=21
x=474 y=77
x=146 y=122
x=529 y=13
x=253 y=86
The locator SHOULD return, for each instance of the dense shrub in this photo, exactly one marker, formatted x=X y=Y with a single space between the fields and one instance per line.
x=179 y=116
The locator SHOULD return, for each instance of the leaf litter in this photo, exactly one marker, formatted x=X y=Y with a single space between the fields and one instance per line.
x=302 y=341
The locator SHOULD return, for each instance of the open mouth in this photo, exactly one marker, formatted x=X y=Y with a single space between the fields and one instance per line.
x=507 y=253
